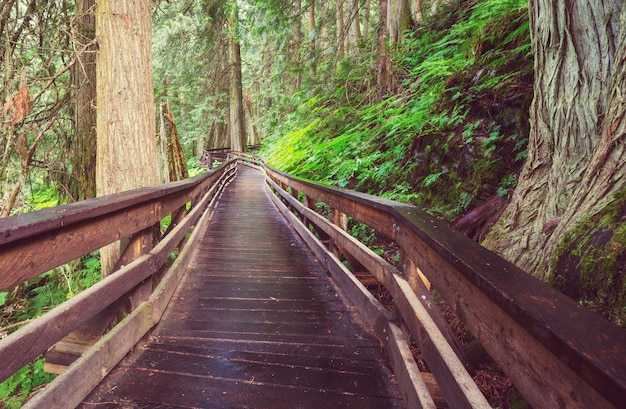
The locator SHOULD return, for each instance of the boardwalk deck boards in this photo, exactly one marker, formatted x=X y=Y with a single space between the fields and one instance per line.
x=256 y=323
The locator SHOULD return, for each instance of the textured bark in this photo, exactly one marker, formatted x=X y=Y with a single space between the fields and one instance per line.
x=236 y=123
x=417 y=10
x=312 y=41
x=383 y=81
x=82 y=182
x=253 y=135
x=297 y=35
x=177 y=165
x=126 y=153
x=575 y=48
x=398 y=16
x=341 y=30
x=354 y=25
x=164 y=175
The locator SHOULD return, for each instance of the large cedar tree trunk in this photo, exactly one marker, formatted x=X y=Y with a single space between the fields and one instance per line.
x=576 y=146
x=126 y=153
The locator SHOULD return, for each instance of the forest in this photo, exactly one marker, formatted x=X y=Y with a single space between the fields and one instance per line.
x=504 y=118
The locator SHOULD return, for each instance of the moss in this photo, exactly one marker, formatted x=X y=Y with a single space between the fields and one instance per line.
x=589 y=262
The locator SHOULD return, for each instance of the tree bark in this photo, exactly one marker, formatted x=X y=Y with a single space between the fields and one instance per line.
x=126 y=152
x=416 y=10
x=312 y=41
x=575 y=49
x=383 y=80
x=354 y=32
x=237 y=123
x=341 y=30
x=82 y=182
x=297 y=34
x=164 y=175
x=398 y=15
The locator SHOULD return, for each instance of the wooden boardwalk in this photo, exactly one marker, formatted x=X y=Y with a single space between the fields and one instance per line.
x=255 y=323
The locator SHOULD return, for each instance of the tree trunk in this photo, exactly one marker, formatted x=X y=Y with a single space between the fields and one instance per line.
x=82 y=180
x=398 y=16
x=164 y=174
x=177 y=165
x=253 y=135
x=341 y=30
x=237 y=125
x=126 y=152
x=367 y=17
x=297 y=34
x=383 y=80
x=574 y=150
x=312 y=41
x=354 y=33
x=416 y=10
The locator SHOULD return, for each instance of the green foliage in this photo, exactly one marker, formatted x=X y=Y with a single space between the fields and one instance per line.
x=15 y=390
x=453 y=134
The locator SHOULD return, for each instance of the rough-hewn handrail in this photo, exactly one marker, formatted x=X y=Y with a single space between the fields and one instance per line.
x=36 y=242
x=557 y=353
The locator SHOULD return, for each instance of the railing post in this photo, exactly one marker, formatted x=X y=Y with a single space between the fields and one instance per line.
x=341 y=220
x=422 y=288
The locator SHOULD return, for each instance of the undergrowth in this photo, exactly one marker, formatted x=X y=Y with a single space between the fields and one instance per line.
x=453 y=133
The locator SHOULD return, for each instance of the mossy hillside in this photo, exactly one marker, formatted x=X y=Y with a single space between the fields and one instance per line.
x=452 y=135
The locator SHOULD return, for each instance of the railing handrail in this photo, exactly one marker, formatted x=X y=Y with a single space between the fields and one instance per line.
x=34 y=243
x=536 y=332
x=25 y=225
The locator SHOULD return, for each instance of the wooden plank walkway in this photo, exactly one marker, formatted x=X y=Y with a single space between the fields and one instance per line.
x=255 y=323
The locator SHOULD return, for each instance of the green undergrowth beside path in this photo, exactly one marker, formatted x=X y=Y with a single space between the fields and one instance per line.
x=451 y=135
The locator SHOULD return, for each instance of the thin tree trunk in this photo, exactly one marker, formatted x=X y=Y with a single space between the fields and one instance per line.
x=417 y=10
x=237 y=126
x=126 y=152
x=354 y=32
x=367 y=18
x=312 y=41
x=383 y=76
x=164 y=175
x=253 y=135
x=297 y=28
x=177 y=165
x=575 y=47
x=82 y=182
x=398 y=16
x=340 y=29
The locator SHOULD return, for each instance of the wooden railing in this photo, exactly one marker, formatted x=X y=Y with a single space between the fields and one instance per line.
x=141 y=284
x=556 y=352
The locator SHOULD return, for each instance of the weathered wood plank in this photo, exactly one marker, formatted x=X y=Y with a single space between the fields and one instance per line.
x=68 y=389
x=415 y=392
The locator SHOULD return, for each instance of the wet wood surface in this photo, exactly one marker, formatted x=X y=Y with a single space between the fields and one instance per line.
x=256 y=323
